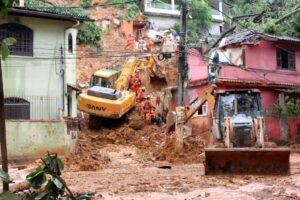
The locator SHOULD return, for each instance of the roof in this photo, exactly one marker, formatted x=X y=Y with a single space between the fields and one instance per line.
x=250 y=76
x=250 y=36
x=48 y=14
x=105 y=73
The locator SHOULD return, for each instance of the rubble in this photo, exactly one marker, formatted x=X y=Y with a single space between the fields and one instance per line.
x=150 y=140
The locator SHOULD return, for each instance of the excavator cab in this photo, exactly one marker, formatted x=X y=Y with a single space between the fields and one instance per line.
x=242 y=108
x=104 y=78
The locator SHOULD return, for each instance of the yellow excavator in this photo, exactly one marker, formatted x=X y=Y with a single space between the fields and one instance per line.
x=109 y=95
x=238 y=125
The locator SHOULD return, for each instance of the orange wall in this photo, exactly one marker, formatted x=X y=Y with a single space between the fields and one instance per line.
x=126 y=28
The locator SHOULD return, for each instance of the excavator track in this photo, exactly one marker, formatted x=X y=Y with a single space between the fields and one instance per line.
x=260 y=161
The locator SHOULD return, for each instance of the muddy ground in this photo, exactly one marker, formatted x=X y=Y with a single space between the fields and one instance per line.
x=135 y=160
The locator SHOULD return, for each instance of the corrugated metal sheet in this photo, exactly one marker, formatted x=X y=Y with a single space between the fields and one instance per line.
x=250 y=36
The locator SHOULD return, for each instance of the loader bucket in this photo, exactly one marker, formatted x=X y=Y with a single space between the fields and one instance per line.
x=260 y=161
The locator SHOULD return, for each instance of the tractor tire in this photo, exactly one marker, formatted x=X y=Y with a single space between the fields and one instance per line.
x=95 y=122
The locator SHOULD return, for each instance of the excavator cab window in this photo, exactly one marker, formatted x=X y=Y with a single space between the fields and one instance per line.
x=247 y=104
x=104 y=82
x=237 y=102
x=100 y=81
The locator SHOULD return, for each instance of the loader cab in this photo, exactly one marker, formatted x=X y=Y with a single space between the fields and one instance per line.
x=104 y=78
x=244 y=103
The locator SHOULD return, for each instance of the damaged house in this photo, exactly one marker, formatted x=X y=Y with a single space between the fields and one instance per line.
x=253 y=60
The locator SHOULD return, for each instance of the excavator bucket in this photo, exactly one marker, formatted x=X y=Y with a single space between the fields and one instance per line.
x=260 y=161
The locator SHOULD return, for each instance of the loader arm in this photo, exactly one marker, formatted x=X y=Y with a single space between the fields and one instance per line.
x=195 y=105
x=203 y=97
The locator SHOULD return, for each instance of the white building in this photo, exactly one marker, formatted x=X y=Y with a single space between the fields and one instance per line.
x=165 y=13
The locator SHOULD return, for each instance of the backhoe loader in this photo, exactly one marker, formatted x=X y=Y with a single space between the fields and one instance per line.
x=109 y=95
x=238 y=124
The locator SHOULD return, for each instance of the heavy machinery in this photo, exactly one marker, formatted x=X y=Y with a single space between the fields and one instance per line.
x=109 y=95
x=238 y=124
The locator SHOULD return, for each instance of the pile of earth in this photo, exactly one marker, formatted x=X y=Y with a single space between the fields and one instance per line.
x=152 y=142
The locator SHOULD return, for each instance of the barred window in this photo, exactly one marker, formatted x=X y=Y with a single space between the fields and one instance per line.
x=23 y=35
x=16 y=108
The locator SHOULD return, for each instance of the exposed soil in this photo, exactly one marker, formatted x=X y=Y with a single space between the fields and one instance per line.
x=140 y=161
x=150 y=141
x=126 y=164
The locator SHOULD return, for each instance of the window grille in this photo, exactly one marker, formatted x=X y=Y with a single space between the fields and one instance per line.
x=23 y=35
x=16 y=108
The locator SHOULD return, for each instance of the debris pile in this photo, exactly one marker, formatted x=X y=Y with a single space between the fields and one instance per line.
x=152 y=142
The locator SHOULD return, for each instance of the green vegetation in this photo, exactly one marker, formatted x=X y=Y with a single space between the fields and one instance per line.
x=89 y=34
x=4 y=4
x=42 y=6
x=85 y=3
x=48 y=175
x=46 y=181
x=132 y=9
x=273 y=11
x=7 y=41
x=198 y=22
x=291 y=107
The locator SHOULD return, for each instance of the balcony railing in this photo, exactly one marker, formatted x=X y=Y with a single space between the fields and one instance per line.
x=161 y=7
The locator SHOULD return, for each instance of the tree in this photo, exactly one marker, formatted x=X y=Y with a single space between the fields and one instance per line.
x=199 y=20
x=278 y=17
x=4 y=5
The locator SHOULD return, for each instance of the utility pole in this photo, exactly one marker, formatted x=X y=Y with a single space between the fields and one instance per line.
x=182 y=75
x=62 y=73
x=3 y=132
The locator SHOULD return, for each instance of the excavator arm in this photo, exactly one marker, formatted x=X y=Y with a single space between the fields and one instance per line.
x=132 y=64
x=128 y=69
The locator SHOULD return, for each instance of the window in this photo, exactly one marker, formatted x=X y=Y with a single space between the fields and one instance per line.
x=16 y=108
x=70 y=43
x=285 y=59
x=202 y=111
x=164 y=4
x=23 y=35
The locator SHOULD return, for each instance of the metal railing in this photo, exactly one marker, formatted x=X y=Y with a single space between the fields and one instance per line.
x=41 y=107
